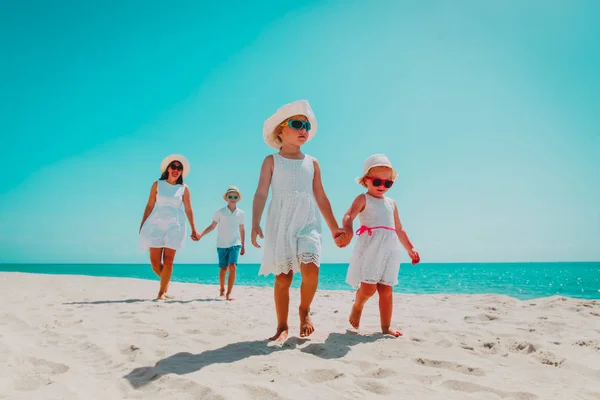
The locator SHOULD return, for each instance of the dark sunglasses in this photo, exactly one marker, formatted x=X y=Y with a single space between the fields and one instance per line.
x=230 y=197
x=378 y=182
x=176 y=167
x=297 y=124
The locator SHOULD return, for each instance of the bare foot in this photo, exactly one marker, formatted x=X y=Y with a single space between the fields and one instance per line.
x=162 y=297
x=281 y=335
x=168 y=297
x=306 y=325
x=228 y=297
x=222 y=293
x=392 y=332
x=355 y=315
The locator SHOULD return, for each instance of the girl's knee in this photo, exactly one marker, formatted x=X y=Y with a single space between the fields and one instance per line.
x=283 y=280
x=384 y=290
x=368 y=289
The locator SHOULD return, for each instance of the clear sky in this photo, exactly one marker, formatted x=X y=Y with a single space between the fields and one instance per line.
x=489 y=111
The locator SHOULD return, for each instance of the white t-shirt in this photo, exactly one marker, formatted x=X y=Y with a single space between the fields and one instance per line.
x=228 y=226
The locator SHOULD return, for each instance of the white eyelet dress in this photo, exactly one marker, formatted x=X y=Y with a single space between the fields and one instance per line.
x=376 y=254
x=165 y=227
x=293 y=226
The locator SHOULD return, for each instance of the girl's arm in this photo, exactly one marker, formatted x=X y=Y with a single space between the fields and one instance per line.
x=403 y=236
x=357 y=206
x=323 y=201
x=187 y=204
x=150 y=204
x=260 y=198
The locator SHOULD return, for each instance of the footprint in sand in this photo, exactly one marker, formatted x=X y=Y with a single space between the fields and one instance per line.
x=374 y=386
x=380 y=373
x=480 y=317
x=450 y=366
x=323 y=375
x=39 y=375
x=468 y=387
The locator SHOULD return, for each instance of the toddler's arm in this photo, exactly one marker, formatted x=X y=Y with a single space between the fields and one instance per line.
x=403 y=236
x=357 y=206
x=260 y=198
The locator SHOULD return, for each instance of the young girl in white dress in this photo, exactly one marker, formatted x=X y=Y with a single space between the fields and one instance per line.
x=163 y=227
x=375 y=261
x=293 y=230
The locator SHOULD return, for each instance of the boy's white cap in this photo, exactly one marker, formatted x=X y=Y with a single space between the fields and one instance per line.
x=376 y=160
x=175 y=157
x=232 y=189
x=299 y=107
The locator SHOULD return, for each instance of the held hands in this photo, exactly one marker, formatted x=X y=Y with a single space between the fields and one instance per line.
x=414 y=256
x=342 y=237
x=256 y=231
x=195 y=236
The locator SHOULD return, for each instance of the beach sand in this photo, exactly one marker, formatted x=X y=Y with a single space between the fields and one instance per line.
x=77 y=337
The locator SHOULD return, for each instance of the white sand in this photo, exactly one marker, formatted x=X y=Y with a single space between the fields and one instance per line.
x=71 y=337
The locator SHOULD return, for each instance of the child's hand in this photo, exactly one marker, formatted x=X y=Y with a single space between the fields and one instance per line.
x=242 y=251
x=414 y=256
x=342 y=238
x=256 y=231
x=195 y=236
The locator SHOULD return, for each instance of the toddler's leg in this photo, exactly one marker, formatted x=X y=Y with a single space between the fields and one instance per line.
x=310 y=281
x=281 y=293
x=364 y=293
x=386 y=305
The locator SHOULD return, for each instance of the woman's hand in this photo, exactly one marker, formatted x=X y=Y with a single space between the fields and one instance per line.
x=256 y=231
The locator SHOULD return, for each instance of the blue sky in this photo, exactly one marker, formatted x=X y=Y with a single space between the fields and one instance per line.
x=489 y=111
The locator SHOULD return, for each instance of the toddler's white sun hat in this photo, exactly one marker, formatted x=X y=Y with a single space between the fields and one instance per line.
x=376 y=160
x=232 y=189
x=299 y=107
x=175 y=157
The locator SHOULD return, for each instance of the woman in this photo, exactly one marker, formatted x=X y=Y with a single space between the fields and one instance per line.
x=163 y=227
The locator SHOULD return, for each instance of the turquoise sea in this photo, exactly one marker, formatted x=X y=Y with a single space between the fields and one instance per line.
x=520 y=280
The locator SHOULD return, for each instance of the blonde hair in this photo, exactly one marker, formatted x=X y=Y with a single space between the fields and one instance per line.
x=279 y=128
x=361 y=180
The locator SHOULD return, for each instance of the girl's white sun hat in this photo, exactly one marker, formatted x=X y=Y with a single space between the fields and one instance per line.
x=376 y=160
x=299 y=107
x=175 y=157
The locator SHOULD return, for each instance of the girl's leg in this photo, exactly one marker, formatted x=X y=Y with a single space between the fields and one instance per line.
x=386 y=305
x=310 y=281
x=156 y=259
x=364 y=293
x=281 y=292
x=165 y=275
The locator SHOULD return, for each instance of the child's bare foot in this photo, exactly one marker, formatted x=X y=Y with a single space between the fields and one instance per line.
x=392 y=332
x=355 y=315
x=162 y=297
x=306 y=325
x=228 y=297
x=222 y=293
x=281 y=334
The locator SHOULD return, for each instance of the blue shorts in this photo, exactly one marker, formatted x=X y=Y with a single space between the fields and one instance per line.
x=228 y=256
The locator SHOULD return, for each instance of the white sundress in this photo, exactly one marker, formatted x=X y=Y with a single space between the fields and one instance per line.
x=293 y=226
x=165 y=226
x=376 y=254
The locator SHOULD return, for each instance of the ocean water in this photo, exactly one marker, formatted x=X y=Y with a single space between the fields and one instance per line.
x=520 y=280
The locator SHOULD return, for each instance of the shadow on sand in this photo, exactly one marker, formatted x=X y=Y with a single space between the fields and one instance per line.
x=98 y=302
x=337 y=345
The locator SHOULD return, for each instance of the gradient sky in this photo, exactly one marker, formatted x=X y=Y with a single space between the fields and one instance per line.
x=489 y=111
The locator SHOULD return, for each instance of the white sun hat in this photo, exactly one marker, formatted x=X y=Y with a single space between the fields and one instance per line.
x=175 y=157
x=299 y=107
x=376 y=160
x=232 y=189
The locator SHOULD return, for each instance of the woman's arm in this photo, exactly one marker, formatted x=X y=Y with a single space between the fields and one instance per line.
x=187 y=204
x=150 y=204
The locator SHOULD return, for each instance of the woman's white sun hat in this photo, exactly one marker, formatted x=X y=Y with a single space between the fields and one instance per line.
x=232 y=189
x=376 y=160
x=176 y=157
x=299 y=107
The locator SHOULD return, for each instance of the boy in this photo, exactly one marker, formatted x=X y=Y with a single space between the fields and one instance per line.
x=230 y=237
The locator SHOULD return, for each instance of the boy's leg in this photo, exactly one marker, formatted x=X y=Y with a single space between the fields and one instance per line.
x=310 y=281
x=386 y=305
x=364 y=293
x=281 y=293
x=222 y=270
x=232 y=261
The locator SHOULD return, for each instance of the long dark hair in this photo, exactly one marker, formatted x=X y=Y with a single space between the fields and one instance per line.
x=165 y=174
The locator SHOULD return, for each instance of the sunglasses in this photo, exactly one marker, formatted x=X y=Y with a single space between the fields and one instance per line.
x=176 y=167
x=297 y=124
x=378 y=182
x=230 y=197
